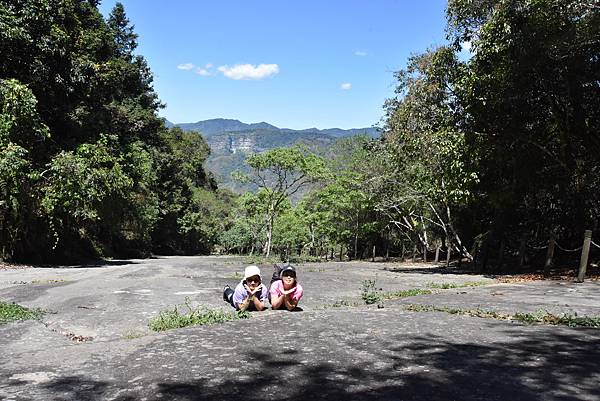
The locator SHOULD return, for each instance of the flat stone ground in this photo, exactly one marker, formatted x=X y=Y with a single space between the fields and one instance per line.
x=355 y=352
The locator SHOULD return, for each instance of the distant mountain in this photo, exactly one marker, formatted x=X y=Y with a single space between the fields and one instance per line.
x=231 y=141
x=222 y=125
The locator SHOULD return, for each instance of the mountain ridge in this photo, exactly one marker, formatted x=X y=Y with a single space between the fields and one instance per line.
x=222 y=125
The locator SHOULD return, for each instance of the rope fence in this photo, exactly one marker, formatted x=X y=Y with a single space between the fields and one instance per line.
x=550 y=247
x=522 y=250
x=568 y=250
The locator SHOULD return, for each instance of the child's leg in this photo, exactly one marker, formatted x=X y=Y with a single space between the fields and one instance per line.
x=228 y=295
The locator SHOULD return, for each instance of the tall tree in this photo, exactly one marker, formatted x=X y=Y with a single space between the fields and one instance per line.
x=427 y=171
x=531 y=98
x=279 y=173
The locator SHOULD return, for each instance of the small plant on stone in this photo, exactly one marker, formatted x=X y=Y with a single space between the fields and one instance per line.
x=370 y=294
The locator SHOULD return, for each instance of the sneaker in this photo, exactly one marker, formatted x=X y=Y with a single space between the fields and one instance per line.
x=225 y=293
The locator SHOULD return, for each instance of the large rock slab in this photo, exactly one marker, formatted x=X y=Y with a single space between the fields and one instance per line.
x=324 y=352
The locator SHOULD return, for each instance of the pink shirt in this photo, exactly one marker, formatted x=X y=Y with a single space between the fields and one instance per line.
x=277 y=288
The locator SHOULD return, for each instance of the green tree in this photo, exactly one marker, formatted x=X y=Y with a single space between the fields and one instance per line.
x=429 y=172
x=20 y=129
x=112 y=179
x=279 y=173
x=531 y=113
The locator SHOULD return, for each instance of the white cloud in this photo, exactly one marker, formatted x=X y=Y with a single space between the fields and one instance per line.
x=466 y=46
x=208 y=66
x=249 y=71
x=360 y=53
x=346 y=86
x=186 y=66
x=203 y=71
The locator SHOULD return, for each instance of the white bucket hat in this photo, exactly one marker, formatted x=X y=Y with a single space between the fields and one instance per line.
x=251 y=271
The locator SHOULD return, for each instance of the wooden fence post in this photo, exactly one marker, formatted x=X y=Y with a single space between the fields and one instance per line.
x=437 y=254
x=522 y=250
x=501 y=255
x=425 y=253
x=373 y=257
x=549 y=256
x=585 y=252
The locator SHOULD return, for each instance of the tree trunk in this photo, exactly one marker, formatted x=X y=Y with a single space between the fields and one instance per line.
x=269 y=236
x=448 y=252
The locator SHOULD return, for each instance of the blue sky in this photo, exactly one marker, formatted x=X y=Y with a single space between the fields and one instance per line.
x=294 y=64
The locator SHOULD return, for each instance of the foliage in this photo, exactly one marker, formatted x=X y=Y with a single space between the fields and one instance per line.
x=20 y=129
x=87 y=168
x=370 y=294
x=500 y=146
x=279 y=173
x=530 y=100
x=10 y=312
x=192 y=316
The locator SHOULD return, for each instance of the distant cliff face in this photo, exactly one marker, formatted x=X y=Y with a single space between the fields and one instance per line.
x=229 y=144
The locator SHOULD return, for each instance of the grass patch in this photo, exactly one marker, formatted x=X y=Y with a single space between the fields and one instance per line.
x=545 y=317
x=261 y=260
x=455 y=311
x=445 y=286
x=132 y=335
x=10 y=312
x=540 y=317
x=406 y=293
x=371 y=294
x=294 y=259
x=343 y=303
x=50 y=281
x=236 y=276
x=194 y=316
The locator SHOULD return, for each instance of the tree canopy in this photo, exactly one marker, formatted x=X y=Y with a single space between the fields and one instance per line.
x=87 y=168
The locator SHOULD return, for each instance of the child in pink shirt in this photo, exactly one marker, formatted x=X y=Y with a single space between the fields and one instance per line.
x=286 y=292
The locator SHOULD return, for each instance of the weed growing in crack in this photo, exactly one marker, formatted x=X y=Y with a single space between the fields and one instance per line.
x=445 y=286
x=540 y=317
x=406 y=293
x=179 y=317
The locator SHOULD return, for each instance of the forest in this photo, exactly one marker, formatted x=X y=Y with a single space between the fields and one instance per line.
x=489 y=148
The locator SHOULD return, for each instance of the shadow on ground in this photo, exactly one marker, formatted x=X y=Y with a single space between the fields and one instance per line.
x=541 y=365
